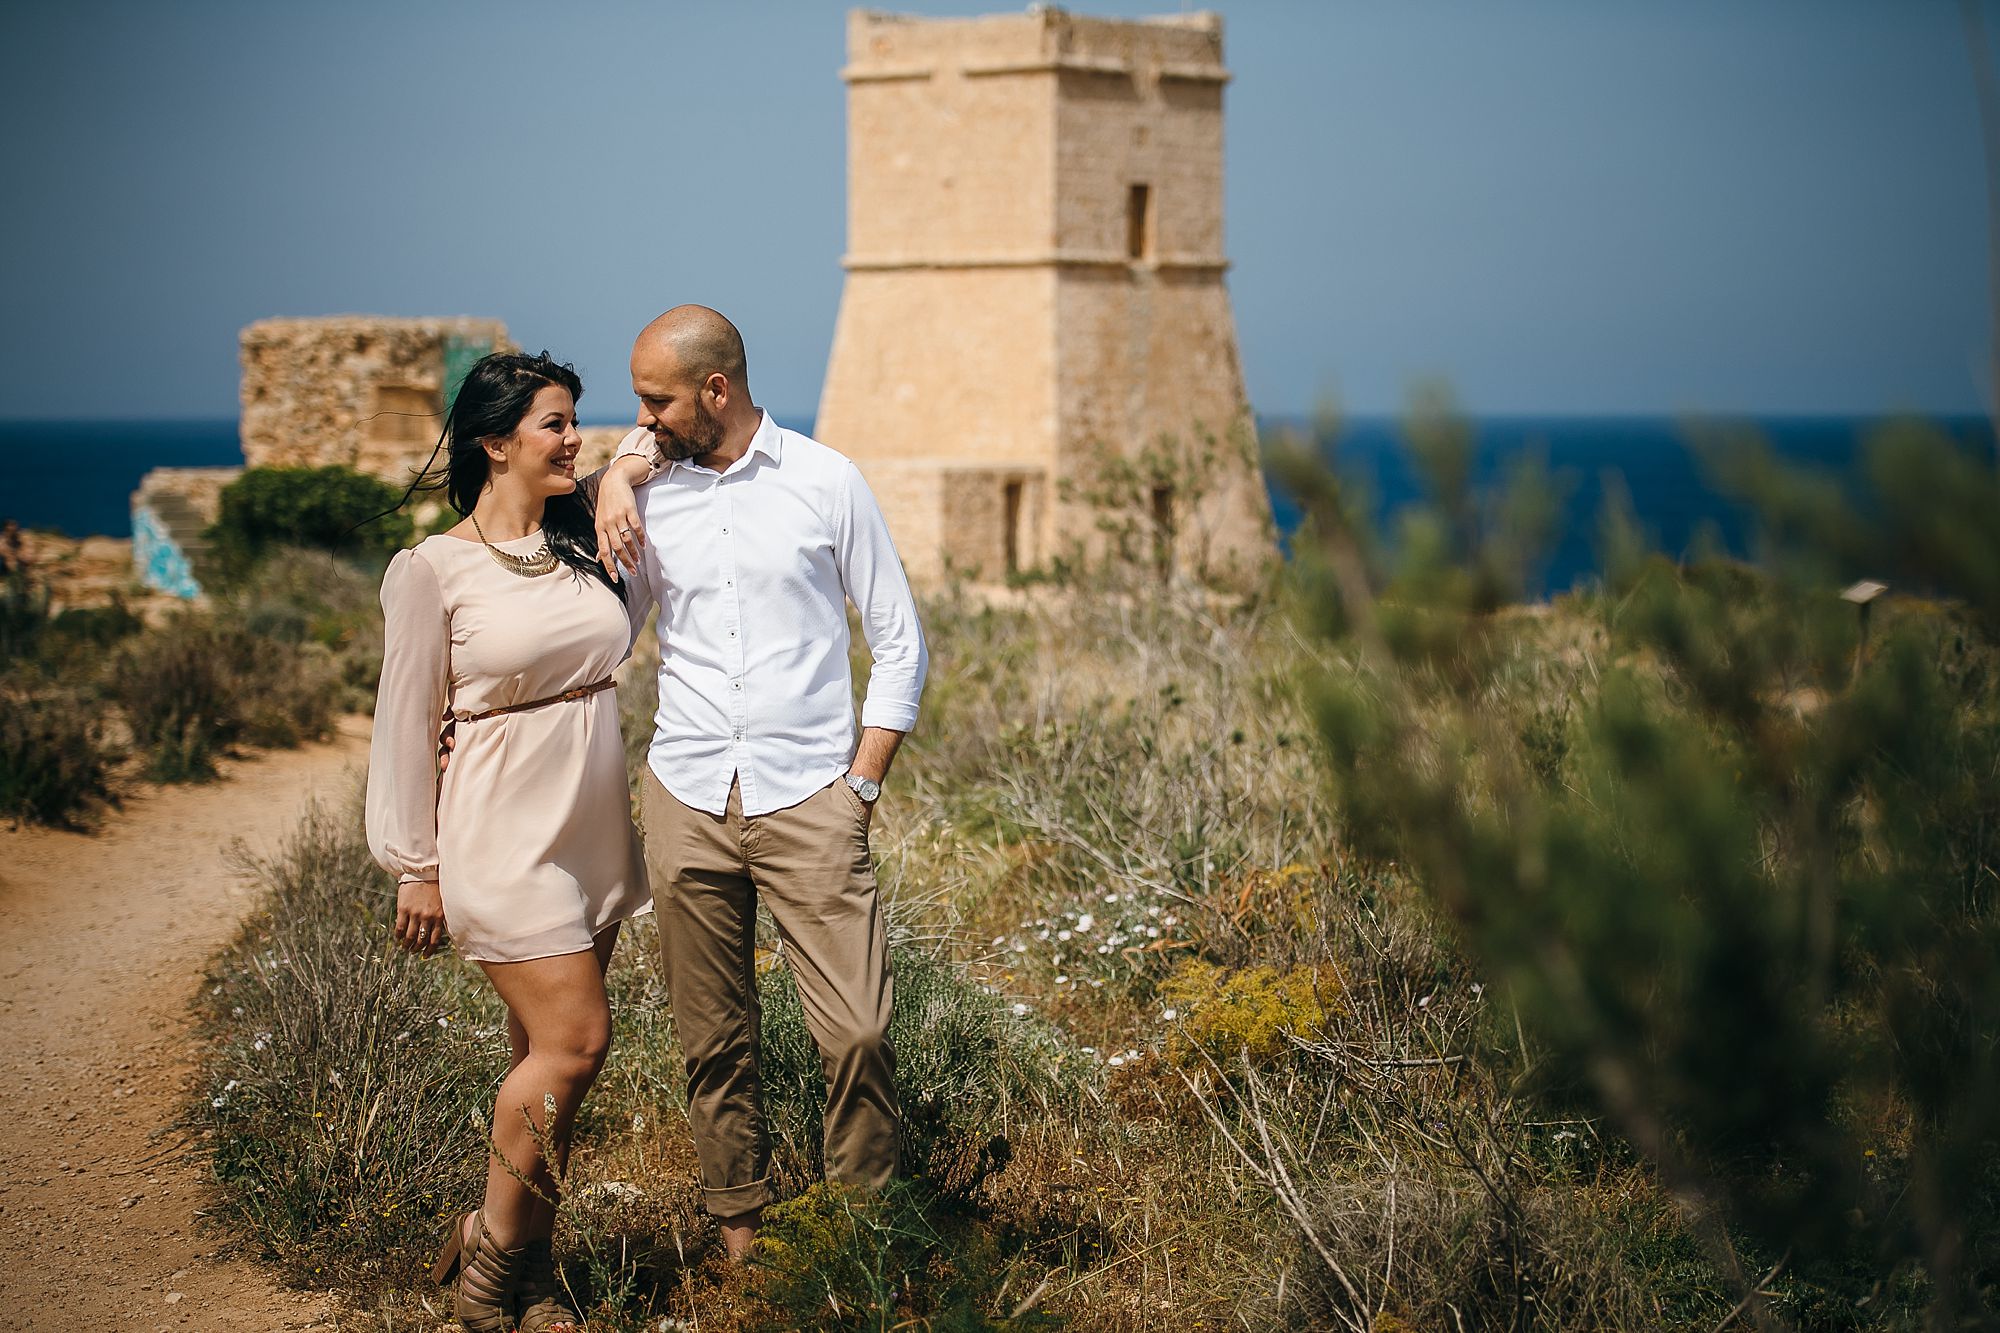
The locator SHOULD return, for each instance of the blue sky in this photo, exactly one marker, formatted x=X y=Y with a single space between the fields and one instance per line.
x=1555 y=205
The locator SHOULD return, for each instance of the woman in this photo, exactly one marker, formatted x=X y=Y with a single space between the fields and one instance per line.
x=523 y=852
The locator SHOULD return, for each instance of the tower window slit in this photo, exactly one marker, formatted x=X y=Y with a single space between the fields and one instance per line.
x=1139 y=222
x=1011 y=530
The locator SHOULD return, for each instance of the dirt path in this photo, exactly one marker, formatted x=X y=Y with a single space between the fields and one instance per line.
x=102 y=942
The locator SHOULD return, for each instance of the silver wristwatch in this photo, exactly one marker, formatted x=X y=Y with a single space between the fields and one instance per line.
x=868 y=789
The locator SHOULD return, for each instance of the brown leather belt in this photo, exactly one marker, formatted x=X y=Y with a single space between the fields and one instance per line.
x=580 y=692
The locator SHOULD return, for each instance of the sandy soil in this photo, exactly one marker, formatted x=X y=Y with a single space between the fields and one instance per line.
x=103 y=938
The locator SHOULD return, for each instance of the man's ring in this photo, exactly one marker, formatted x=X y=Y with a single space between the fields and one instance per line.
x=624 y=532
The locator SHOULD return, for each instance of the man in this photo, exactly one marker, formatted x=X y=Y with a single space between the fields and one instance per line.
x=752 y=540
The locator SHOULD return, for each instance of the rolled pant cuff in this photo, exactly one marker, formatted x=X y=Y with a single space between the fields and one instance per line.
x=736 y=1200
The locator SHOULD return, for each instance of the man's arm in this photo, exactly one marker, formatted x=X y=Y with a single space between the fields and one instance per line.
x=875 y=753
x=874 y=581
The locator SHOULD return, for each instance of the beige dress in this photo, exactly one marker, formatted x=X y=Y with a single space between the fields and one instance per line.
x=529 y=832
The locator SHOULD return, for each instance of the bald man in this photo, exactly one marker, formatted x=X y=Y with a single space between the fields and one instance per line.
x=752 y=539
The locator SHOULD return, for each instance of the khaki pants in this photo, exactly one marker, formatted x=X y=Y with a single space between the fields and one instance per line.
x=810 y=864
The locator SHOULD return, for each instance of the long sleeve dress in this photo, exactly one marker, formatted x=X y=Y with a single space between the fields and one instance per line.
x=529 y=833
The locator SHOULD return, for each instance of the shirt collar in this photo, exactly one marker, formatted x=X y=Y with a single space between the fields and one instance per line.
x=768 y=441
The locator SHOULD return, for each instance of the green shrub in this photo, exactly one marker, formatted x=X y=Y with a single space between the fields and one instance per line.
x=1745 y=896
x=200 y=683
x=24 y=613
x=326 y=508
x=54 y=761
x=301 y=597
x=837 y=1257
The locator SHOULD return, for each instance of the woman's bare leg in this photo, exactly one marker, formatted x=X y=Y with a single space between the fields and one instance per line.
x=560 y=1008
x=543 y=1218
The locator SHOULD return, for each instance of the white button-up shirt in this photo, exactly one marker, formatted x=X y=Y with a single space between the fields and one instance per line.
x=752 y=568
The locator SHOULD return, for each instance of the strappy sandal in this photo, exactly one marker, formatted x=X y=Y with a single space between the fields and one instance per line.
x=487 y=1276
x=543 y=1309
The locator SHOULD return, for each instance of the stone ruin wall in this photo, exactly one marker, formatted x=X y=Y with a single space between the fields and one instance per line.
x=356 y=391
x=353 y=390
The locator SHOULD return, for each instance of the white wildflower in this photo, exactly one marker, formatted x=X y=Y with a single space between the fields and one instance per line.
x=1020 y=1010
x=1170 y=1014
x=1086 y=921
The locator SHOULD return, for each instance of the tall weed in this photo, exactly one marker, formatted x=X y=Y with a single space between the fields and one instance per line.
x=347 y=1083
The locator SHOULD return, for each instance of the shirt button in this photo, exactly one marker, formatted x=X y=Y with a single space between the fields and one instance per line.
x=735 y=684
x=725 y=532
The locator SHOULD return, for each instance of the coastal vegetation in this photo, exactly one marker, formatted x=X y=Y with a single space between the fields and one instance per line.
x=288 y=638
x=1370 y=952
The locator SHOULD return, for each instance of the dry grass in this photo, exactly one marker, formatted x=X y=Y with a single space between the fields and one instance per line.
x=1172 y=1054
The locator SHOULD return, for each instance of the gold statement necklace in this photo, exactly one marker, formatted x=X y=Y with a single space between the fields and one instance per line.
x=532 y=565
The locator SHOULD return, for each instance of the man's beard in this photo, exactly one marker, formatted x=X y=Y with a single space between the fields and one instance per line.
x=705 y=438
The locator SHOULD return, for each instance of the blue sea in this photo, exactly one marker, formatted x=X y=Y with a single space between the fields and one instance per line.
x=77 y=477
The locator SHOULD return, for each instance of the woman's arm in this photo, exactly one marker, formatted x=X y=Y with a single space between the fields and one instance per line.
x=401 y=812
x=621 y=533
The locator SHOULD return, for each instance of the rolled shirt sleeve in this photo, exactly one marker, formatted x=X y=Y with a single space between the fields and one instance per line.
x=401 y=809
x=875 y=582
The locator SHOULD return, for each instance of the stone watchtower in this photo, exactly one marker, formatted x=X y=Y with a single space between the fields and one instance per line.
x=1034 y=279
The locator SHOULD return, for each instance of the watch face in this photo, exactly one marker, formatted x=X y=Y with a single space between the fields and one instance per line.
x=866 y=788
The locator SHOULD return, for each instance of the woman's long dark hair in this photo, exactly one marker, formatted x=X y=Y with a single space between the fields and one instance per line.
x=493 y=400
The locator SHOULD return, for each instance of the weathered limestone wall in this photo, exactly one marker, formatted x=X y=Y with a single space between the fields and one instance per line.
x=361 y=391
x=943 y=366
x=1034 y=276
x=92 y=571
x=171 y=510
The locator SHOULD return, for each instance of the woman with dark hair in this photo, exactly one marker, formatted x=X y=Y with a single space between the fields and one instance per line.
x=523 y=851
